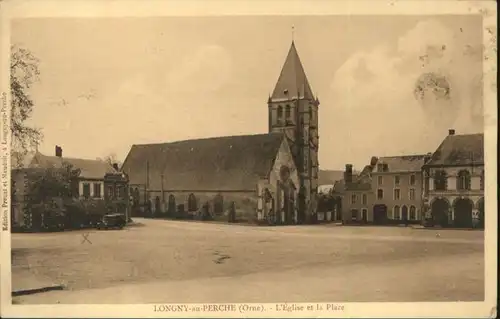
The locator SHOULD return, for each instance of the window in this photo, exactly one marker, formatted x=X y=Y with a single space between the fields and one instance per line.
x=413 y=213
x=463 y=180
x=97 y=190
x=380 y=194
x=397 y=212
x=397 y=194
x=386 y=168
x=354 y=214
x=396 y=180
x=380 y=167
x=412 y=180
x=380 y=180
x=353 y=199
x=192 y=205
x=111 y=193
x=280 y=112
x=440 y=180
x=120 y=193
x=86 y=190
x=219 y=204
x=412 y=194
x=171 y=204
x=481 y=181
x=364 y=199
x=287 y=111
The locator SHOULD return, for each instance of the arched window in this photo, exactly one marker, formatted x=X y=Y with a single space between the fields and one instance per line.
x=218 y=204
x=192 y=205
x=171 y=204
x=287 y=112
x=136 y=197
x=440 y=180
x=280 y=111
x=481 y=181
x=157 y=204
x=413 y=213
x=463 y=180
x=397 y=212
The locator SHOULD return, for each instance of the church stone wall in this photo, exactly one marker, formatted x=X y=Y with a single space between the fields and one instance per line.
x=245 y=202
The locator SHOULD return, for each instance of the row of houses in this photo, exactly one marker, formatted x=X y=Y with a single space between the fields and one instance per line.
x=444 y=187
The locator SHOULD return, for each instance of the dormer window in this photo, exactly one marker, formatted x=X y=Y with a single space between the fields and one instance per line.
x=287 y=112
x=280 y=111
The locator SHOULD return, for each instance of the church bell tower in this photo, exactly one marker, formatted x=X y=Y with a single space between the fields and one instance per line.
x=293 y=110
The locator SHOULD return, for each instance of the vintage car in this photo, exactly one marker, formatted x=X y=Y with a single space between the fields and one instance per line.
x=111 y=221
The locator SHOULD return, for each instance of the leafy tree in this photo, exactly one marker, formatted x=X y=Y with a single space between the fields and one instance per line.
x=50 y=190
x=54 y=182
x=23 y=73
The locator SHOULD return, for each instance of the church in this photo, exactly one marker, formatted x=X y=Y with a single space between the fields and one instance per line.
x=270 y=177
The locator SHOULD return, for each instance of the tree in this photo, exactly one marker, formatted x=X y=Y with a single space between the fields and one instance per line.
x=54 y=182
x=112 y=159
x=49 y=191
x=23 y=73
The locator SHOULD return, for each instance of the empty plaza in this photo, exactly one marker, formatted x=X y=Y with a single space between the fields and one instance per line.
x=181 y=261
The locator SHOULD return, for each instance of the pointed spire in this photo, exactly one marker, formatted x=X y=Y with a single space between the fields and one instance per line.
x=292 y=80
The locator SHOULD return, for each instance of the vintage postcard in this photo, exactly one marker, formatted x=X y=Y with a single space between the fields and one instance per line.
x=248 y=159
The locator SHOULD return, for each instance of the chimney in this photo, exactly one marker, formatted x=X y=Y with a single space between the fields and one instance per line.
x=427 y=157
x=451 y=132
x=58 y=151
x=115 y=166
x=348 y=173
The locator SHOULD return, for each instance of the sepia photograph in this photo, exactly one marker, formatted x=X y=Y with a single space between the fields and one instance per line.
x=243 y=162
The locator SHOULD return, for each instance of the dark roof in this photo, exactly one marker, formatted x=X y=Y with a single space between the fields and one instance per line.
x=467 y=149
x=91 y=169
x=220 y=163
x=404 y=163
x=292 y=82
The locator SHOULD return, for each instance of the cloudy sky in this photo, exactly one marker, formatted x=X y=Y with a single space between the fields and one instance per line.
x=106 y=84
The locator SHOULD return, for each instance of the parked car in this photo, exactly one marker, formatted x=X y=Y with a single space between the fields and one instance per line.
x=112 y=221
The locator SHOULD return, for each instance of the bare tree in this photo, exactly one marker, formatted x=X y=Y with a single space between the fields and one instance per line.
x=112 y=159
x=23 y=73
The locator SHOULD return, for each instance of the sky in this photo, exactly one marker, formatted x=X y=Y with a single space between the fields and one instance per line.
x=108 y=83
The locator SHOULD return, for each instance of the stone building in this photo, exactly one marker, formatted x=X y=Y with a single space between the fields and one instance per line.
x=239 y=168
x=397 y=186
x=293 y=110
x=454 y=182
x=357 y=195
x=206 y=176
